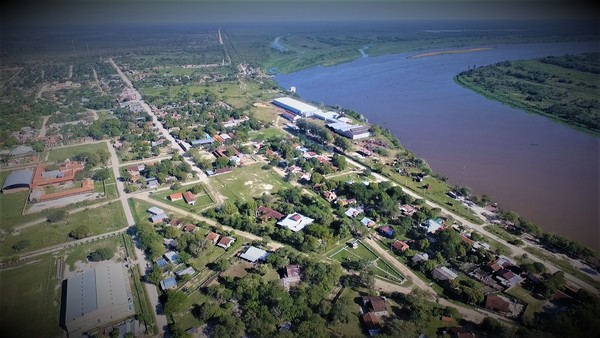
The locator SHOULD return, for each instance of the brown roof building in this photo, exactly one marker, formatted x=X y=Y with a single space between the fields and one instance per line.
x=495 y=303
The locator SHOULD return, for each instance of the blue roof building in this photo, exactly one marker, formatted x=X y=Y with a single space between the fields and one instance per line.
x=387 y=231
x=168 y=283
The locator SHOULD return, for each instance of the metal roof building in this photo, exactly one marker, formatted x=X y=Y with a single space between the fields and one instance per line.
x=254 y=254
x=97 y=298
x=296 y=106
x=19 y=179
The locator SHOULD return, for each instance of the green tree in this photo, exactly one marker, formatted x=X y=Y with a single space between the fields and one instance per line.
x=80 y=232
x=155 y=276
x=175 y=302
x=101 y=174
x=102 y=254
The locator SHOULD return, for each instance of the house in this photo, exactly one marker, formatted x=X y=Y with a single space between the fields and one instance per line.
x=212 y=237
x=444 y=274
x=176 y=197
x=353 y=244
x=508 y=278
x=420 y=257
x=344 y=202
x=493 y=267
x=295 y=222
x=407 y=209
x=353 y=212
x=169 y=243
x=187 y=271
x=190 y=228
x=263 y=213
x=171 y=257
x=155 y=219
x=169 y=283
x=460 y=332
x=375 y=305
x=329 y=195
x=291 y=276
x=161 y=262
x=368 y=222
x=226 y=242
x=399 y=246
x=152 y=182
x=372 y=323
x=497 y=303
x=505 y=262
x=254 y=254
x=189 y=198
x=432 y=226
x=386 y=231
x=174 y=222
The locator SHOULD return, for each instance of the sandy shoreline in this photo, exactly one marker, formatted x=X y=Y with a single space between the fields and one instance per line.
x=453 y=51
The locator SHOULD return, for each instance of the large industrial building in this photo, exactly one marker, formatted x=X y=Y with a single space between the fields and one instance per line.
x=18 y=180
x=296 y=107
x=353 y=132
x=97 y=298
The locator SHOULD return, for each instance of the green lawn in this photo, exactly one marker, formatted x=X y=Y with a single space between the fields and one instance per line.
x=382 y=268
x=100 y=220
x=247 y=181
x=61 y=154
x=266 y=133
x=533 y=304
x=30 y=299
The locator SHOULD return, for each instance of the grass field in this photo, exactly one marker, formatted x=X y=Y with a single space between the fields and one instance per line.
x=266 y=133
x=11 y=207
x=100 y=220
x=248 y=181
x=30 y=299
x=61 y=154
x=382 y=268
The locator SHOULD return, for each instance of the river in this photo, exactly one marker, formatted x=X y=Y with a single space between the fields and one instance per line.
x=541 y=169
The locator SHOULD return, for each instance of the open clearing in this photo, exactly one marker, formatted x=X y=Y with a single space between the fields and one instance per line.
x=246 y=182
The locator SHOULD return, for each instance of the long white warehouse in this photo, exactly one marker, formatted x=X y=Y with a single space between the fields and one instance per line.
x=296 y=106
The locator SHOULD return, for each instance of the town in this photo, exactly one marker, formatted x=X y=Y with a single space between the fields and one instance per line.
x=154 y=198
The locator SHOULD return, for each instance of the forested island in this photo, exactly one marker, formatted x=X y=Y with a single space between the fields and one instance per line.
x=564 y=88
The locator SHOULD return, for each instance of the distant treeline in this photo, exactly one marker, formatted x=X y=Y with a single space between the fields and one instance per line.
x=564 y=88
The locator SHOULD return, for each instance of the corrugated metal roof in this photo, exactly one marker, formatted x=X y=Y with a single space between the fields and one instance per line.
x=19 y=177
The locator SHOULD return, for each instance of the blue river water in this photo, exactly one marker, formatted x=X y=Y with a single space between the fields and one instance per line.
x=543 y=170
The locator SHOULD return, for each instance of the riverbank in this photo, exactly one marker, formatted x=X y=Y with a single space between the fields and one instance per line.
x=453 y=51
x=563 y=88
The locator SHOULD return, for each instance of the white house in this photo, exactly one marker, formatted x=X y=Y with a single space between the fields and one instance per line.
x=295 y=222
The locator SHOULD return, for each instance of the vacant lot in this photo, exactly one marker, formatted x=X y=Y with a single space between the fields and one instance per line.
x=382 y=268
x=249 y=181
x=61 y=154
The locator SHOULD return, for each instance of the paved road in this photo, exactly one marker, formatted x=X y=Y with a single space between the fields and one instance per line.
x=516 y=251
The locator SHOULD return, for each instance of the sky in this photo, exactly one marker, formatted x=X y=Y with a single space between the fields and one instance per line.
x=186 y=11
